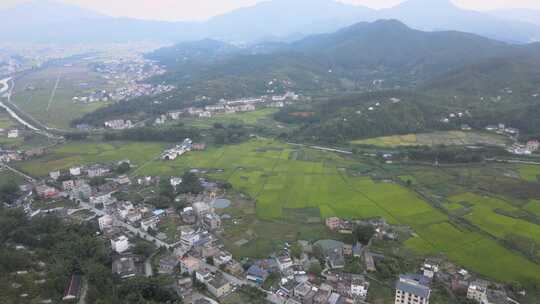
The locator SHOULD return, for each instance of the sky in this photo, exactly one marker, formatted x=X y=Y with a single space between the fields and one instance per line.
x=204 y=9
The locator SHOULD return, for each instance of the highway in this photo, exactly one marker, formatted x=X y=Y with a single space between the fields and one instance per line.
x=5 y=90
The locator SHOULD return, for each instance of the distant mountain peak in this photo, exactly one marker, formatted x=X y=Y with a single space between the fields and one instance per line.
x=428 y=4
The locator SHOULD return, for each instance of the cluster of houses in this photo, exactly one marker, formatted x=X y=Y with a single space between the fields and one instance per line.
x=197 y=253
x=527 y=149
x=186 y=146
x=74 y=184
x=118 y=124
x=231 y=106
x=502 y=129
x=298 y=285
x=12 y=133
x=130 y=73
x=415 y=288
x=7 y=156
x=453 y=116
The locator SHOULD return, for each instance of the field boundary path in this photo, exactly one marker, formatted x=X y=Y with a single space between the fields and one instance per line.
x=53 y=92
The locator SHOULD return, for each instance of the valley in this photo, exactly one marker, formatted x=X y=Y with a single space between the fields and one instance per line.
x=342 y=155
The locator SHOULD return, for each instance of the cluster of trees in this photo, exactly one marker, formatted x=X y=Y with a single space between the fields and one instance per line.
x=68 y=249
x=167 y=194
x=340 y=119
x=230 y=134
x=8 y=191
x=172 y=134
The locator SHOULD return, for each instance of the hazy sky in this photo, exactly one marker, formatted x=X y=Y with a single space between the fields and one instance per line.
x=203 y=9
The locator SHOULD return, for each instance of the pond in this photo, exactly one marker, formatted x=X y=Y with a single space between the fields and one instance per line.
x=221 y=203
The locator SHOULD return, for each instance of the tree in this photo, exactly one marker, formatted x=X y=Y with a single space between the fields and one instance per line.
x=143 y=248
x=296 y=250
x=97 y=181
x=123 y=168
x=8 y=191
x=210 y=260
x=166 y=189
x=190 y=184
x=315 y=268
x=363 y=233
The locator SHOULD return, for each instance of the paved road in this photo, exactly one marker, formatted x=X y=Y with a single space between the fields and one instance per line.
x=53 y=93
x=321 y=148
x=6 y=89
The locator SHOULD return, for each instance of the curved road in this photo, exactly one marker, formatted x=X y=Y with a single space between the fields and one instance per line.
x=5 y=90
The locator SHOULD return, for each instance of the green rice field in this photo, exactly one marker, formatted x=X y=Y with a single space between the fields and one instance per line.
x=295 y=188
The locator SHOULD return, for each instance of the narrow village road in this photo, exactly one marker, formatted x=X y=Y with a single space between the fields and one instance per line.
x=84 y=291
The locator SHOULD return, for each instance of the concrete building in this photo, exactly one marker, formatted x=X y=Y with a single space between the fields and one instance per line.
x=359 y=286
x=105 y=222
x=412 y=289
x=120 y=244
x=211 y=221
x=54 y=175
x=68 y=185
x=333 y=223
x=218 y=286
x=477 y=291
x=75 y=171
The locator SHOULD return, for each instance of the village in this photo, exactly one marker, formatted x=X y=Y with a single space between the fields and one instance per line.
x=231 y=107
x=127 y=77
x=185 y=241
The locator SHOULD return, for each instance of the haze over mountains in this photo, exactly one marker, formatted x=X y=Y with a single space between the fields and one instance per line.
x=272 y=20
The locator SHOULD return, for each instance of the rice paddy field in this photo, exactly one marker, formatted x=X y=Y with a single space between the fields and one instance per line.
x=74 y=154
x=262 y=116
x=530 y=172
x=434 y=139
x=46 y=94
x=293 y=189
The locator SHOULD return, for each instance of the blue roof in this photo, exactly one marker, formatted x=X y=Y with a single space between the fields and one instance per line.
x=357 y=248
x=257 y=271
x=414 y=284
x=158 y=212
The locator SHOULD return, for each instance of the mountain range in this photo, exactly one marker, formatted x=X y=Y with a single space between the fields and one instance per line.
x=275 y=20
x=351 y=58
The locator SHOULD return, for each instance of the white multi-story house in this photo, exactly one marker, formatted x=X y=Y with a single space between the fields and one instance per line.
x=477 y=291
x=189 y=238
x=359 y=286
x=120 y=244
x=105 y=222
x=75 y=171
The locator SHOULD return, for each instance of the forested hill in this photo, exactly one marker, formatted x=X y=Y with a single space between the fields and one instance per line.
x=436 y=65
x=351 y=58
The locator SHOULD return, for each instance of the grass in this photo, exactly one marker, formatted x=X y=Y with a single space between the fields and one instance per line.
x=33 y=93
x=529 y=173
x=248 y=118
x=533 y=207
x=5 y=121
x=7 y=177
x=75 y=153
x=434 y=139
